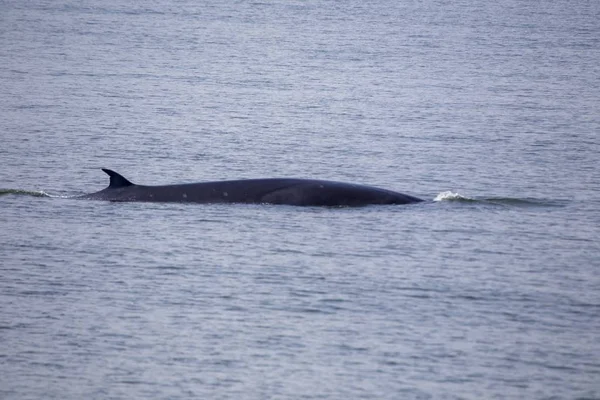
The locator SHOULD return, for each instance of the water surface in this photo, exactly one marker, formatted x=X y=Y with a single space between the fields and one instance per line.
x=490 y=291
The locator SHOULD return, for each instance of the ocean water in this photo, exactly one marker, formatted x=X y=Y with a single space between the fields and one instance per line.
x=488 y=110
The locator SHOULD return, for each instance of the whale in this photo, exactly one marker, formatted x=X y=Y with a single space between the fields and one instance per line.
x=283 y=191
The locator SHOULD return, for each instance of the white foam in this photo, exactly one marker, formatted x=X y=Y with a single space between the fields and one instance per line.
x=57 y=196
x=450 y=196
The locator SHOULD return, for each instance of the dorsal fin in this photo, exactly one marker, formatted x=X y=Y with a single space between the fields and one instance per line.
x=116 y=180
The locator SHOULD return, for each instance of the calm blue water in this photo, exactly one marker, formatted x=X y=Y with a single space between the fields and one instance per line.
x=490 y=108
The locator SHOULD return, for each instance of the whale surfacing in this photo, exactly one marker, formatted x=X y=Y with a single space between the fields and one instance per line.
x=288 y=191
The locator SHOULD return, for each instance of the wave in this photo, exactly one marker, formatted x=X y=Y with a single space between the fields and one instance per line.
x=32 y=193
x=443 y=196
x=504 y=201
x=21 y=192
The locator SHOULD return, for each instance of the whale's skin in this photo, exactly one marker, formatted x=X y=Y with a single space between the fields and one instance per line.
x=288 y=191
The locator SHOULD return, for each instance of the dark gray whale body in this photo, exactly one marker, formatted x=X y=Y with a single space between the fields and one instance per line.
x=296 y=192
